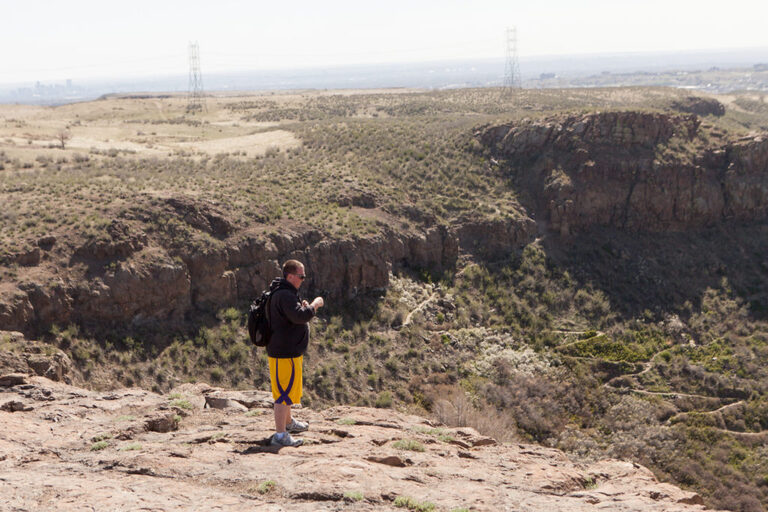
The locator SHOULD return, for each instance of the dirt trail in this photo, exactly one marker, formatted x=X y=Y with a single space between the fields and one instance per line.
x=418 y=308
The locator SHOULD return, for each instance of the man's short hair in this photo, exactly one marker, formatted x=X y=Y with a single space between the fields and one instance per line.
x=291 y=267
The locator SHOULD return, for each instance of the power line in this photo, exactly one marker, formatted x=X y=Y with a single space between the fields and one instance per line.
x=195 y=98
x=484 y=44
x=511 y=65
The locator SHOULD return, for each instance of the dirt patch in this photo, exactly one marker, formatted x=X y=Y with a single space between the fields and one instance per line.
x=253 y=145
x=85 y=143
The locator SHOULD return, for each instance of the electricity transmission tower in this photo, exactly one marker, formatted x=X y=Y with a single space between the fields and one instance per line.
x=195 y=98
x=512 y=66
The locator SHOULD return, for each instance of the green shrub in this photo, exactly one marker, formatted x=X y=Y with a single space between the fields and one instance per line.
x=266 y=487
x=354 y=496
x=384 y=400
x=99 y=445
x=411 y=504
x=217 y=374
x=408 y=444
x=440 y=433
x=232 y=315
x=181 y=404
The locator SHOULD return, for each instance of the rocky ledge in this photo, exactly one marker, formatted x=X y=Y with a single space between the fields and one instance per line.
x=203 y=448
x=638 y=171
x=127 y=279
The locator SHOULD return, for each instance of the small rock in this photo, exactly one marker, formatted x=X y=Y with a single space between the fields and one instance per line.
x=223 y=403
x=55 y=417
x=392 y=460
x=46 y=242
x=693 y=499
x=317 y=496
x=13 y=379
x=141 y=471
x=14 y=336
x=29 y=257
x=13 y=406
x=460 y=443
x=589 y=498
x=484 y=441
x=56 y=367
x=161 y=423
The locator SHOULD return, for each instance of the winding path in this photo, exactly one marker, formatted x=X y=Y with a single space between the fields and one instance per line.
x=419 y=308
x=647 y=366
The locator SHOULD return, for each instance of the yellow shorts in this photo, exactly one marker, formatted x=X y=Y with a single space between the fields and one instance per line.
x=285 y=374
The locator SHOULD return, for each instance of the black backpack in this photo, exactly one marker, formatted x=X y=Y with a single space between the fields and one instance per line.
x=258 y=320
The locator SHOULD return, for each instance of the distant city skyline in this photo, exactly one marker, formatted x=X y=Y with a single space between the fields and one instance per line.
x=708 y=71
x=51 y=41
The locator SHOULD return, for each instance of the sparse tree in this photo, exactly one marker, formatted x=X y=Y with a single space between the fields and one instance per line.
x=63 y=137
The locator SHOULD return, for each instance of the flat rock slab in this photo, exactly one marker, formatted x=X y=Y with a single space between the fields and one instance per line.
x=13 y=379
x=215 y=402
x=130 y=449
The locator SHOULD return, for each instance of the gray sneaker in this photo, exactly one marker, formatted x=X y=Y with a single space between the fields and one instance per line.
x=297 y=426
x=285 y=440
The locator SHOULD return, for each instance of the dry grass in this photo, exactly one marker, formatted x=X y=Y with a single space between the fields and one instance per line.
x=253 y=145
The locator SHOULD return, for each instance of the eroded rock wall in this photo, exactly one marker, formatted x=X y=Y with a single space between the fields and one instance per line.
x=633 y=170
x=127 y=288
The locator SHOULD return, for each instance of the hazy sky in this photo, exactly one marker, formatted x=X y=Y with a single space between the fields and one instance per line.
x=51 y=40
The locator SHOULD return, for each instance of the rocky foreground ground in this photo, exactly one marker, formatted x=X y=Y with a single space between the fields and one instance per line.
x=203 y=448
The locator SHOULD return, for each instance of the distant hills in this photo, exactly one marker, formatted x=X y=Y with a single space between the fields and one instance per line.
x=537 y=72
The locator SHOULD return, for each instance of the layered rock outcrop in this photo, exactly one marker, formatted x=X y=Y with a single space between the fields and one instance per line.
x=66 y=448
x=632 y=170
x=699 y=106
x=495 y=238
x=133 y=287
x=19 y=356
x=170 y=259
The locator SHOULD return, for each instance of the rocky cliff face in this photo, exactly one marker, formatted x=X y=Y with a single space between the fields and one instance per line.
x=131 y=283
x=127 y=276
x=631 y=170
x=203 y=448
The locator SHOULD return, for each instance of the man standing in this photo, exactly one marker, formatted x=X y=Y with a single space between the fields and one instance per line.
x=288 y=317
